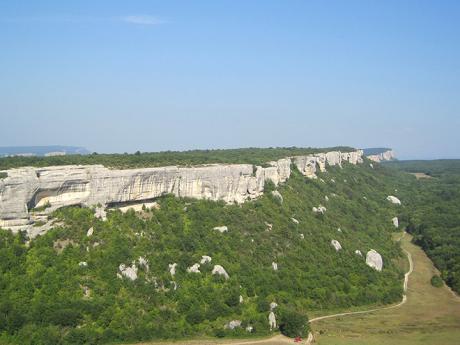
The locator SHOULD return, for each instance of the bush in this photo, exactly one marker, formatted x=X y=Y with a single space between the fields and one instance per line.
x=436 y=281
x=293 y=324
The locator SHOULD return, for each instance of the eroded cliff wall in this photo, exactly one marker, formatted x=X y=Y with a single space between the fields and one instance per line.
x=30 y=188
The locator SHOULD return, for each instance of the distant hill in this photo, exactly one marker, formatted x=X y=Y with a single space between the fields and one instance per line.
x=375 y=150
x=54 y=150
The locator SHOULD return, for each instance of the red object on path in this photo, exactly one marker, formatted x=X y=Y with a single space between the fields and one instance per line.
x=297 y=339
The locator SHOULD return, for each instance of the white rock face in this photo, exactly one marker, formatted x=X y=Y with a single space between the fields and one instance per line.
x=395 y=221
x=275 y=266
x=221 y=229
x=295 y=221
x=336 y=245
x=195 y=268
x=205 y=259
x=358 y=252
x=83 y=264
x=172 y=269
x=384 y=156
x=393 y=200
x=320 y=209
x=218 y=269
x=129 y=272
x=374 y=260
x=277 y=195
x=91 y=185
x=272 y=321
x=233 y=324
x=90 y=232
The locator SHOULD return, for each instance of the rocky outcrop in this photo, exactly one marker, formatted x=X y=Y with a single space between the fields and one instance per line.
x=205 y=259
x=30 y=192
x=272 y=321
x=374 y=260
x=393 y=200
x=336 y=244
x=219 y=270
x=195 y=268
x=387 y=155
x=221 y=229
x=129 y=272
x=395 y=221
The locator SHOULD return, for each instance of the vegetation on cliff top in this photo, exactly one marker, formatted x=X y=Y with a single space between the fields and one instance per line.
x=49 y=296
x=257 y=156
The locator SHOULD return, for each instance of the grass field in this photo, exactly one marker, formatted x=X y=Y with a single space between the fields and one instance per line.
x=430 y=316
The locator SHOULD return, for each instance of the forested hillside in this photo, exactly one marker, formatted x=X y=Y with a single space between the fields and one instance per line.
x=63 y=287
x=434 y=211
x=257 y=156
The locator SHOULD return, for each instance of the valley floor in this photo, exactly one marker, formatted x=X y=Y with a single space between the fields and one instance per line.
x=430 y=316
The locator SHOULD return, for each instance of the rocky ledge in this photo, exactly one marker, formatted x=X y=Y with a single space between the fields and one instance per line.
x=28 y=194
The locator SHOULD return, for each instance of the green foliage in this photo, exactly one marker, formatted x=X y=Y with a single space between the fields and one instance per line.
x=433 y=214
x=293 y=324
x=42 y=208
x=436 y=281
x=256 y=156
x=3 y=175
x=44 y=291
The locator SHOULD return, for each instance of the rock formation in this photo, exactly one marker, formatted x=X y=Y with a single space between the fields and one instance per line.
x=205 y=259
x=233 y=324
x=336 y=245
x=395 y=221
x=195 y=268
x=221 y=229
x=129 y=272
x=320 y=209
x=29 y=188
x=393 y=200
x=388 y=155
x=358 y=252
x=172 y=269
x=374 y=260
x=218 y=269
x=272 y=321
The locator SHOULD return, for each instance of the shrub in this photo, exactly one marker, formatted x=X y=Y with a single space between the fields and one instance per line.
x=293 y=324
x=436 y=281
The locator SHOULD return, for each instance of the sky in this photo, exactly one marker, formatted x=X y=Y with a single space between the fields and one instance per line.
x=122 y=76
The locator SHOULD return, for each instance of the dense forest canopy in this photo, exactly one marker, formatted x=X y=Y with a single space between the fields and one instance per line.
x=434 y=213
x=63 y=288
x=258 y=156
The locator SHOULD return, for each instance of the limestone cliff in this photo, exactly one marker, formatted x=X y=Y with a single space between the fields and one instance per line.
x=49 y=188
x=387 y=155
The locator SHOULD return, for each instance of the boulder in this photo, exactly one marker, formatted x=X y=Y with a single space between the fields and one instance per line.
x=273 y=305
x=195 y=268
x=221 y=229
x=205 y=259
x=172 y=269
x=275 y=266
x=233 y=324
x=90 y=232
x=295 y=221
x=358 y=252
x=129 y=272
x=83 y=264
x=272 y=321
x=336 y=245
x=374 y=260
x=219 y=270
x=320 y=209
x=393 y=200
x=395 y=221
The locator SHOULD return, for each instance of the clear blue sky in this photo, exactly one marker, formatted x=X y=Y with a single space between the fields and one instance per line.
x=118 y=76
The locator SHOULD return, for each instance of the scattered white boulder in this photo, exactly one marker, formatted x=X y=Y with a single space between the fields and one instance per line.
x=249 y=329
x=320 y=209
x=339 y=230
x=393 y=200
x=172 y=269
x=221 y=229
x=269 y=226
x=143 y=262
x=219 y=270
x=273 y=305
x=277 y=195
x=275 y=266
x=86 y=292
x=272 y=321
x=395 y=221
x=233 y=324
x=358 y=252
x=100 y=213
x=90 y=232
x=374 y=260
x=326 y=198
x=295 y=221
x=83 y=264
x=195 y=268
x=336 y=245
x=129 y=272
x=332 y=180
x=241 y=299
x=205 y=259
x=302 y=236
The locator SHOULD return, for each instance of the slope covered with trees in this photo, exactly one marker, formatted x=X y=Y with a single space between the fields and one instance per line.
x=63 y=288
x=433 y=212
